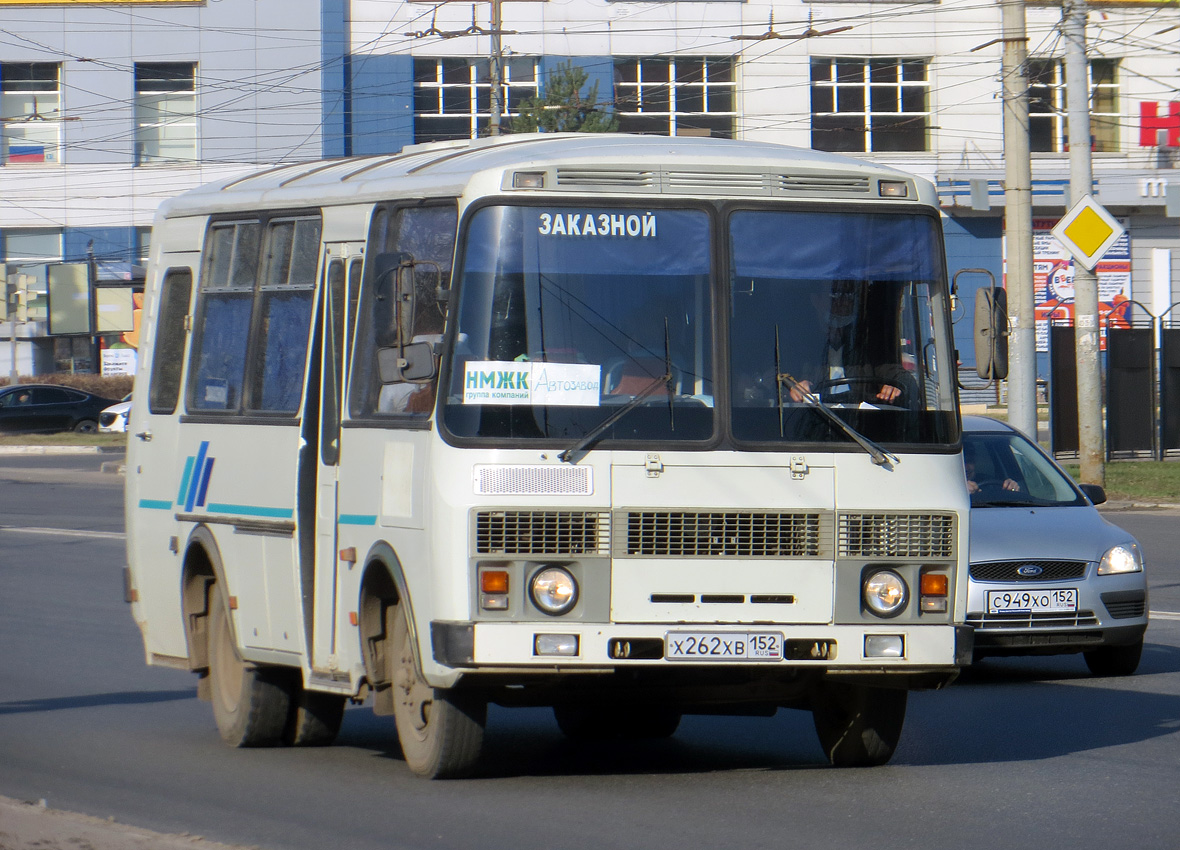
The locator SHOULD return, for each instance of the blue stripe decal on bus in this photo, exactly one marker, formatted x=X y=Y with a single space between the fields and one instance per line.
x=204 y=485
x=198 y=468
x=251 y=510
x=357 y=519
x=156 y=504
x=184 y=479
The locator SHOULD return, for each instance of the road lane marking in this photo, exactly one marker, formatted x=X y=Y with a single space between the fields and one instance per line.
x=66 y=532
x=1165 y=615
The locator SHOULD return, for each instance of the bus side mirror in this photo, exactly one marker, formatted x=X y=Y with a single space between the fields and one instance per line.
x=413 y=362
x=991 y=333
x=394 y=302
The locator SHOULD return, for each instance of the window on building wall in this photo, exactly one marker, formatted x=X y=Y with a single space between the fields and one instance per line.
x=165 y=112
x=30 y=106
x=32 y=245
x=453 y=97
x=676 y=96
x=1047 y=106
x=143 y=245
x=869 y=104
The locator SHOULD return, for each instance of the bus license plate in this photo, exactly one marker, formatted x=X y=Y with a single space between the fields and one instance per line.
x=723 y=646
x=1032 y=601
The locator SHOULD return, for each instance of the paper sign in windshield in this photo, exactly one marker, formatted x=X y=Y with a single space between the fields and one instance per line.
x=532 y=383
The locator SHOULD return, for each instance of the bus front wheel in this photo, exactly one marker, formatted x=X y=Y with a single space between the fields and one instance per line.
x=250 y=703
x=858 y=725
x=440 y=729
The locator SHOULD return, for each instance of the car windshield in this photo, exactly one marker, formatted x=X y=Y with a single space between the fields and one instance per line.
x=1007 y=470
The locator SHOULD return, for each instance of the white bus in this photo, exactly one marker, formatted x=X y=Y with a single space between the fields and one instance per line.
x=631 y=427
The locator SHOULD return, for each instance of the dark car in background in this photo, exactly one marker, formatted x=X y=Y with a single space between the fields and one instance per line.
x=28 y=408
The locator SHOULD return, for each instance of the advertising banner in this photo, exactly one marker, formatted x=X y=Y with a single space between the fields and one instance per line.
x=1053 y=281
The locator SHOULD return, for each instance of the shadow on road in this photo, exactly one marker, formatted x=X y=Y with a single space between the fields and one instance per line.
x=95 y=701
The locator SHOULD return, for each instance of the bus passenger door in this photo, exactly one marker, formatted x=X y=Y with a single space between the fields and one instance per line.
x=342 y=276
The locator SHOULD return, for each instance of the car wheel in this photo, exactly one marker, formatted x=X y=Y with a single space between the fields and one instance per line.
x=858 y=725
x=86 y=426
x=440 y=729
x=250 y=703
x=1115 y=660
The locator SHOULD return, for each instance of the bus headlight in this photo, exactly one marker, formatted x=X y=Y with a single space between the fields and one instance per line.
x=554 y=590
x=885 y=593
x=1120 y=559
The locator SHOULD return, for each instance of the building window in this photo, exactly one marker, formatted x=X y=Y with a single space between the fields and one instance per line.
x=30 y=106
x=869 y=104
x=1048 y=127
x=165 y=112
x=453 y=97
x=681 y=96
x=32 y=245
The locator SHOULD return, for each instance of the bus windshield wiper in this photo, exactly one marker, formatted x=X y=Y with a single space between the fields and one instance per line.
x=879 y=455
x=664 y=380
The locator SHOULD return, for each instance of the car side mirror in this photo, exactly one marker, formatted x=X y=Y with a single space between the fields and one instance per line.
x=393 y=281
x=1093 y=492
x=991 y=333
x=413 y=362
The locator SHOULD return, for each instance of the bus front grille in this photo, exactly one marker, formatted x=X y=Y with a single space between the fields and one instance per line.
x=542 y=533
x=724 y=534
x=895 y=535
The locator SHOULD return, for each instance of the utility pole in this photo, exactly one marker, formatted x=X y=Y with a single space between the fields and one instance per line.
x=1085 y=282
x=497 y=72
x=13 y=373
x=1022 y=340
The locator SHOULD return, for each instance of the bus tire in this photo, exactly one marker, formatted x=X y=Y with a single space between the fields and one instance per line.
x=858 y=725
x=314 y=719
x=440 y=729
x=250 y=703
x=591 y=723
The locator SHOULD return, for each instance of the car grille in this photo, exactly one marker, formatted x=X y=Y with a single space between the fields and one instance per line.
x=541 y=533
x=889 y=535
x=724 y=534
x=1008 y=570
x=1037 y=620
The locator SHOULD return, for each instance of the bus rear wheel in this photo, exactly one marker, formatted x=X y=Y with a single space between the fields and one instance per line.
x=250 y=703
x=858 y=725
x=440 y=729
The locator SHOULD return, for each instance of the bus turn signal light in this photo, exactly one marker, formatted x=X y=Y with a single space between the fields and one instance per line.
x=934 y=592
x=493 y=590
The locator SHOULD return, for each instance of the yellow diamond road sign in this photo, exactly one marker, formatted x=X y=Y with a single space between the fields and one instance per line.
x=1088 y=231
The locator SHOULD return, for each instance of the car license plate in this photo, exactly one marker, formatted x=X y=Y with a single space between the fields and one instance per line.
x=1031 y=601
x=723 y=646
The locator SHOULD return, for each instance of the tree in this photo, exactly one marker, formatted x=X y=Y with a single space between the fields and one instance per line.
x=563 y=108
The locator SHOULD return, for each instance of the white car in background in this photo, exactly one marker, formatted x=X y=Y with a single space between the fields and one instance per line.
x=113 y=420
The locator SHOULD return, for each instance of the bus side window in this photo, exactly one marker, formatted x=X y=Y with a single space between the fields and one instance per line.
x=427 y=234
x=225 y=306
x=168 y=345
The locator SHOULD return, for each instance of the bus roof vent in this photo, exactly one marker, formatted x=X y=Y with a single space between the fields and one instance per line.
x=718 y=182
x=606 y=180
x=501 y=480
x=818 y=185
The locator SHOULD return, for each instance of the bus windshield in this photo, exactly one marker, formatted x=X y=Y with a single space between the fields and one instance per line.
x=846 y=309
x=567 y=314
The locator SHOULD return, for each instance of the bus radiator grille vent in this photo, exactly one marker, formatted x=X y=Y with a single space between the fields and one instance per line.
x=534 y=480
x=1010 y=570
x=890 y=535
x=608 y=179
x=541 y=533
x=729 y=534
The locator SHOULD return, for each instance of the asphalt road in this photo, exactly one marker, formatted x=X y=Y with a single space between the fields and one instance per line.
x=1019 y=752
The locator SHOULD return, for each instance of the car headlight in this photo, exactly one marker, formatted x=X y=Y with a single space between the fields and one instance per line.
x=1120 y=559
x=885 y=593
x=554 y=590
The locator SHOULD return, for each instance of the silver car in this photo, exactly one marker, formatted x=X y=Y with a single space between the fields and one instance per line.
x=1048 y=573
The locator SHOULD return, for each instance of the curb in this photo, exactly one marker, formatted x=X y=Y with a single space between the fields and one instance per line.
x=59 y=450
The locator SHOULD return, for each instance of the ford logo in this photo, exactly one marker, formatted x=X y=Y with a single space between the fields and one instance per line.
x=1030 y=570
